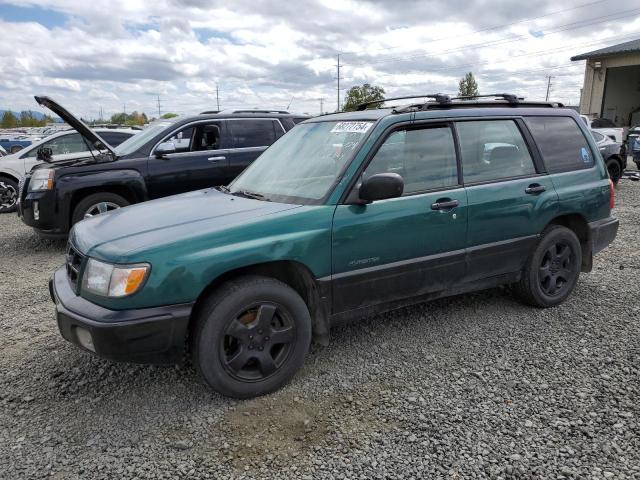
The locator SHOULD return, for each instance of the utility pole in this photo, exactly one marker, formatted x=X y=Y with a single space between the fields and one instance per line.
x=124 y=108
x=338 y=78
x=321 y=103
x=549 y=77
x=218 y=97
x=158 y=106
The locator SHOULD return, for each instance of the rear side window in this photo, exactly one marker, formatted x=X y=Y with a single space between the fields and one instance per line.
x=114 y=138
x=561 y=142
x=493 y=150
x=425 y=158
x=252 y=133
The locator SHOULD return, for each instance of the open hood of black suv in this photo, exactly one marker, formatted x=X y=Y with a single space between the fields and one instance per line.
x=92 y=137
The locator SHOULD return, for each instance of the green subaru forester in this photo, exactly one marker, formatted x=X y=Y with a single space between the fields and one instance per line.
x=346 y=215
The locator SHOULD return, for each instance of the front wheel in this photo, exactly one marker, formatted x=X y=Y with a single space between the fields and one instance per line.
x=8 y=195
x=552 y=269
x=251 y=336
x=96 y=204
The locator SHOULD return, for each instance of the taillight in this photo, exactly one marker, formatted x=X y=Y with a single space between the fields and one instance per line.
x=612 y=195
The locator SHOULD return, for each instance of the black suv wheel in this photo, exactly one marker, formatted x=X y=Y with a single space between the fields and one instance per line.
x=8 y=195
x=553 y=268
x=614 y=167
x=251 y=336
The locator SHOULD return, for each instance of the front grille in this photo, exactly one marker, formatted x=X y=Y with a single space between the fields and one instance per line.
x=74 y=263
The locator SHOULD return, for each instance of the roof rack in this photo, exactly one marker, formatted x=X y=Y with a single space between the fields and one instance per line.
x=509 y=97
x=260 y=111
x=438 y=97
x=209 y=112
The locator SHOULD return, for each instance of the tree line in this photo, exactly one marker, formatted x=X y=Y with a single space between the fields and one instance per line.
x=25 y=119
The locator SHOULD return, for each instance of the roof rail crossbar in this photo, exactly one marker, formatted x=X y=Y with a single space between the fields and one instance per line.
x=509 y=97
x=260 y=111
x=438 y=97
x=209 y=112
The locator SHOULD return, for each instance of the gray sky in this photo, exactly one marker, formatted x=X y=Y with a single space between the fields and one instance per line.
x=107 y=53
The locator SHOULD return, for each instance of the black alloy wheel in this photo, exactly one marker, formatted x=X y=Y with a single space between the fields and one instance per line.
x=257 y=342
x=8 y=196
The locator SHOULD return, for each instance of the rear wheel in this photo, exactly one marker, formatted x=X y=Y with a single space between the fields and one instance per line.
x=96 y=204
x=614 y=167
x=553 y=268
x=251 y=336
x=8 y=195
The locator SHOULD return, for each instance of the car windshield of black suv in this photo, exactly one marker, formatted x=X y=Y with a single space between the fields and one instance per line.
x=302 y=166
x=137 y=141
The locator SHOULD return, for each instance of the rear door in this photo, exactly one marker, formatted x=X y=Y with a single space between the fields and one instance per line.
x=403 y=247
x=200 y=159
x=249 y=138
x=511 y=198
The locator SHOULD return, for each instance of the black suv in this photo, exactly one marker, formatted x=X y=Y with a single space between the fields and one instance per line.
x=168 y=157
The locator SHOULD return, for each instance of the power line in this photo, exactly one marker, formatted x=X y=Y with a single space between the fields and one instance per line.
x=495 y=27
x=559 y=29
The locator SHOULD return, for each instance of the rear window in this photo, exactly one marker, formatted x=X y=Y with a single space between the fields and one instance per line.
x=561 y=142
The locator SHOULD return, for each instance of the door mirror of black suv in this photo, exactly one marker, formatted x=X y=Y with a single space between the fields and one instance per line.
x=165 y=148
x=44 y=154
x=381 y=186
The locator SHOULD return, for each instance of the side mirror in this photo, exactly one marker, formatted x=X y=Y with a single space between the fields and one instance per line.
x=44 y=154
x=165 y=148
x=380 y=187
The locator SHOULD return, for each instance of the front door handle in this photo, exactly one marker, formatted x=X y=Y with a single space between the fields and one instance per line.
x=216 y=159
x=535 y=188
x=444 y=204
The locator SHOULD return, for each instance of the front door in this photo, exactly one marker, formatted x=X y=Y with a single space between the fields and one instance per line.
x=510 y=198
x=403 y=247
x=199 y=161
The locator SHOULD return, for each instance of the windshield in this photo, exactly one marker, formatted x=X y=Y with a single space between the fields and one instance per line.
x=303 y=165
x=135 y=142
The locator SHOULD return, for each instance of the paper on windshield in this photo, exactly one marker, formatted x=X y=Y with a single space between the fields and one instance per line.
x=351 y=127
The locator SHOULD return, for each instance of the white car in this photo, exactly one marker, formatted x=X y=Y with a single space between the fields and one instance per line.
x=605 y=127
x=65 y=145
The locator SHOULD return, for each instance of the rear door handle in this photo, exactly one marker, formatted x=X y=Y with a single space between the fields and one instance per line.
x=535 y=188
x=216 y=159
x=445 y=204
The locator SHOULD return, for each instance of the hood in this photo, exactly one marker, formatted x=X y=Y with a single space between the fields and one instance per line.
x=152 y=224
x=78 y=125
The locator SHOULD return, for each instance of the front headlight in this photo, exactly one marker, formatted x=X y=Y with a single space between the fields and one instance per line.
x=42 y=179
x=109 y=280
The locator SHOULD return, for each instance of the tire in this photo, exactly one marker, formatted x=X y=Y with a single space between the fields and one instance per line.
x=549 y=265
x=614 y=167
x=232 y=345
x=96 y=203
x=8 y=195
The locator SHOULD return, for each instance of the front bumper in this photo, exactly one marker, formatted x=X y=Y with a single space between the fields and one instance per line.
x=603 y=232
x=149 y=335
x=50 y=222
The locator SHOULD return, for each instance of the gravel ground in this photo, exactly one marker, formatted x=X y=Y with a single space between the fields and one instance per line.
x=475 y=386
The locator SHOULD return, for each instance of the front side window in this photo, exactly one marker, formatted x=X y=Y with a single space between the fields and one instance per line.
x=303 y=165
x=248 y=133
x=561 y=142
x=425 y=158
x=72 y=143
x=493 y=150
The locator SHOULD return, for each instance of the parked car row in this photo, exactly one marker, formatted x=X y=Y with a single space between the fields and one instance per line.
x=345 y=215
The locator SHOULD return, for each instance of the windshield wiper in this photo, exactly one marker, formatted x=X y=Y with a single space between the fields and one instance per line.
x=248 y=194
x=222 y=188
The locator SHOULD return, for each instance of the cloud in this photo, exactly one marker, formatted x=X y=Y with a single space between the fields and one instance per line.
x=107 y=53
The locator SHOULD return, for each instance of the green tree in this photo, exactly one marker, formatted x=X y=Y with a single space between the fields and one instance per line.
x=468 y=86
x=119 y=118
x=357 y=95
x=9 y=120
x=169 y=115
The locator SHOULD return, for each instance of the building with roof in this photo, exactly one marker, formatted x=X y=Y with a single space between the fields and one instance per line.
x=611 y=87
